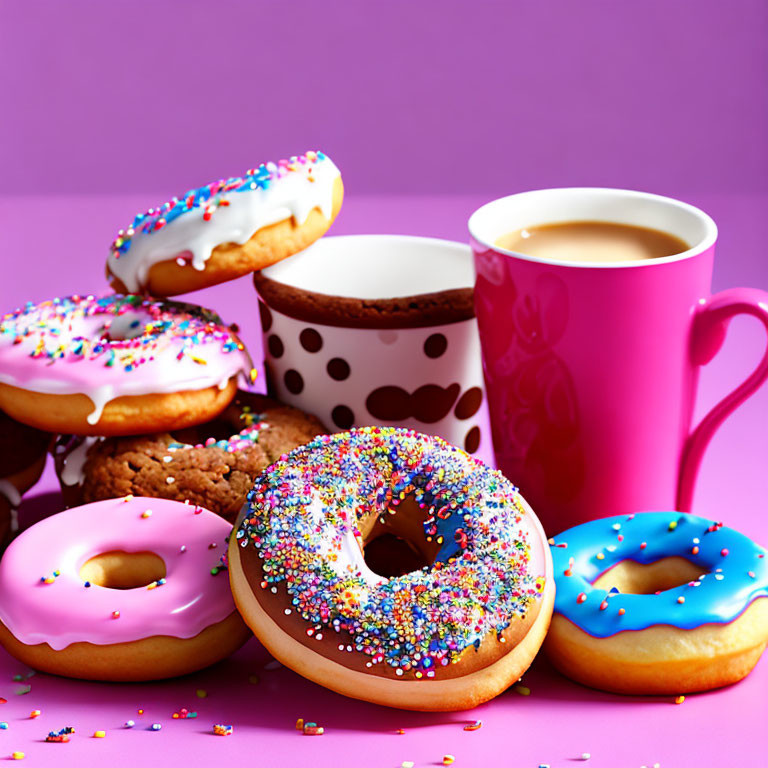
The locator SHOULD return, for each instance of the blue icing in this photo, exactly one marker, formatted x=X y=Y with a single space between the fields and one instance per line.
x=720 y=596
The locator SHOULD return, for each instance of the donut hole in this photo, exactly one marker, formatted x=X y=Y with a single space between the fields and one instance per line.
x=396 y=544
x=218 y=429
x=390 y=556
x=123 y=570
x=126 y=326
x=647 y=579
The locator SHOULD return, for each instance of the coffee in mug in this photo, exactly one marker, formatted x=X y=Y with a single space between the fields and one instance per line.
x=592 y=241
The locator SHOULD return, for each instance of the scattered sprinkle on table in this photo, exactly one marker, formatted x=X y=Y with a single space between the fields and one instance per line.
x=253 y=679
x=679 y=699
x=313 y=729
x=523 y=690
x=129 y=724
x=407 y=764
x=99 y=734
x=4 y=726
x=3 y=701
x=448 y=759
x=60 y=737
x=155 y=726
x=274 y=664
x=474 y=726
x=201 y=693
x=35 y=713
x=400 y=731
x=223 y=730
x=300 y=724
x=585 y=755
x=17 y=755
x=22 y=689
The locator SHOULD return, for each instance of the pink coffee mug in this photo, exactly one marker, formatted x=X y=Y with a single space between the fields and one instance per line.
x=591 y=368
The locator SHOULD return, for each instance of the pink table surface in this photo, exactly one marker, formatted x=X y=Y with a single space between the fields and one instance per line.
x=56 y=246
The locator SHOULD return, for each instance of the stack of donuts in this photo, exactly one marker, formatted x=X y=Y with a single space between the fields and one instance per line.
x=382 y=563
x=147 y=399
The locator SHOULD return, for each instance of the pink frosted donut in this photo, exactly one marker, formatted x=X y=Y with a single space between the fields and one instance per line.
x=124 y=589
x=117 y=365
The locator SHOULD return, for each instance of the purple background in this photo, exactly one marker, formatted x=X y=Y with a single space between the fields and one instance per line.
x=450 y=96
x=430 y=109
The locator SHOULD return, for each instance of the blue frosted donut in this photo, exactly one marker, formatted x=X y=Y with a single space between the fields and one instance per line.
x=454 y=626
x=699 y=575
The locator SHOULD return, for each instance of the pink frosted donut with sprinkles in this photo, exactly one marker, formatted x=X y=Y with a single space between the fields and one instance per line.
x=395 y=568
x=658 y=603
x=117 y=365
x=227 y=228
x=124 y=589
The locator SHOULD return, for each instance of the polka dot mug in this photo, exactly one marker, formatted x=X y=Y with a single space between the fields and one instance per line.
x=378 y=330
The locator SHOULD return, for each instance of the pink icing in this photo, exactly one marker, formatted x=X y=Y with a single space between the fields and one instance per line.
x=175 y=347
x=66 y=611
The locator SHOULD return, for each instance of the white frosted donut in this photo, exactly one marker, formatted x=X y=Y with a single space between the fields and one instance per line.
x=228 y=228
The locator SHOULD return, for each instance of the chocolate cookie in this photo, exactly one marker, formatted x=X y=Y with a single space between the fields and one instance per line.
x=212 y=465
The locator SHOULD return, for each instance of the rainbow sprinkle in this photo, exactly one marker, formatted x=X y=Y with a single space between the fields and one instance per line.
x=247 y=437
x=53 y=329
x=302 y=516
x=61 y=736
x=211 y=196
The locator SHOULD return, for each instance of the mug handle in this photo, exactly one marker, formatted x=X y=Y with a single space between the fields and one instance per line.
x=710 y=324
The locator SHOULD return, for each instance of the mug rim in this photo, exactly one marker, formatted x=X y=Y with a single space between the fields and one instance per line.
x=425 y=309
x=704 y=243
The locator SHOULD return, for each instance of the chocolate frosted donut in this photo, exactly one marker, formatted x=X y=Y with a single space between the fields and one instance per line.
x=212 y=465
x=393 y=567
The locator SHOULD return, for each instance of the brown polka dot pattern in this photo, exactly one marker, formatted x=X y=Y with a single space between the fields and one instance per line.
x=265 y=313
x=472 y=440
x=469 y=403
x=435 y=345
x=338 y=369
x=294 y=383
x=343 y=417
x=427 y=404
x=311 y=340
x=275 y=346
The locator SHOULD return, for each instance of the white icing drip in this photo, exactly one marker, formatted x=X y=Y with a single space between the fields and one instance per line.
x=74 y=461
x=11 y=492
x=102 y=395
x=99 y=396
x=292 y=196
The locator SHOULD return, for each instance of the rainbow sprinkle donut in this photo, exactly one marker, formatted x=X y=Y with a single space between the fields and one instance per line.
x=658 y=602
x=116 y=365
x=227 y=228
x=393 y=567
